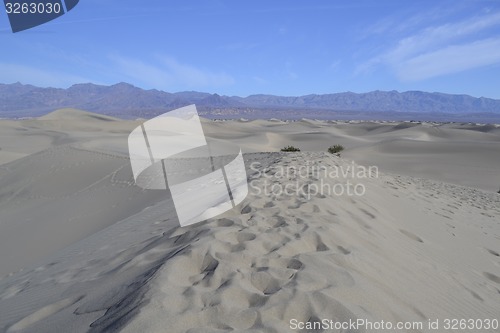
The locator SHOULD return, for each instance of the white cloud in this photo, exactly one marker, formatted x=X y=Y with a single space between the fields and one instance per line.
x=451 y=59
x=167 y=73
x=440 y=50
x=400 y=22
x=437 y=36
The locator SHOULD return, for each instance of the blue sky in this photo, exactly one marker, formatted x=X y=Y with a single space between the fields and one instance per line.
x=274 y=47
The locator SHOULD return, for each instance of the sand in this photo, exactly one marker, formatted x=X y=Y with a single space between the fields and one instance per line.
x=463 y=154
x=99 y=254
x=75 y=179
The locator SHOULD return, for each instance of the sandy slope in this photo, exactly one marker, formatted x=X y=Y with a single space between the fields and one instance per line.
x=445 y=152
x=408 y=250
x=75 y=179
x=99 y=253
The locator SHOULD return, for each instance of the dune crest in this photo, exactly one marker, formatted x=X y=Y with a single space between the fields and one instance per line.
x=409 y=249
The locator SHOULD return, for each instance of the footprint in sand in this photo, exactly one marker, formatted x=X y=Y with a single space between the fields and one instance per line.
x=247 y=209
x=280 y=222
x=265 y=282
x=209 y=264
x=245 y=237
x=297 y=204
x=224 y=223
x=295 y=264
x=321 y=246
x=343 y=250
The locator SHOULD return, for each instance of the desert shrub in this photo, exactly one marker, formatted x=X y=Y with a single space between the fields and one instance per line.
x=336 y=149
x=290 y=148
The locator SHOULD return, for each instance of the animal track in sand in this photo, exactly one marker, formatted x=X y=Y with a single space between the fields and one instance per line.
x=496 y=254
x=474 y=294
x=359 y=220
x=411 y=235
x=492 y=277
x=367 y=213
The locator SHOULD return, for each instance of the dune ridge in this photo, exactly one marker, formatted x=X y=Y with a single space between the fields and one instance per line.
x=82 y=248
x=409 y=249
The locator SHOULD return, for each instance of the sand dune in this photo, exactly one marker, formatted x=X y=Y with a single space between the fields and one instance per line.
x=444 y=152
x=408 y=250
x=99 y=254
x=76 y=179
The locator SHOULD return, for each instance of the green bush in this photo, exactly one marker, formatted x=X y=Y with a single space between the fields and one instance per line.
x=290 y=148
x=336 y=149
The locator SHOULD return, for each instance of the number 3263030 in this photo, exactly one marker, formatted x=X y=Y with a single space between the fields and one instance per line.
x=32 y=8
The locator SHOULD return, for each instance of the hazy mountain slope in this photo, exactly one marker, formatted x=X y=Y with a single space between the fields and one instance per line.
x=17 y=100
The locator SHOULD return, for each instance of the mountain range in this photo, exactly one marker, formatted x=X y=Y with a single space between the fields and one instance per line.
x=125 y=100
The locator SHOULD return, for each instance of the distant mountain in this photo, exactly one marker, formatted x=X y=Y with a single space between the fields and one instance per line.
x=125 y=100
x=410 y=101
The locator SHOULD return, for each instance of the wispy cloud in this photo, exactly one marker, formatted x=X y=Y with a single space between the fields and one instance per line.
x=166 y=72
x=402 y=22
x=451 y=59
x=437 y=36
x=439 y=50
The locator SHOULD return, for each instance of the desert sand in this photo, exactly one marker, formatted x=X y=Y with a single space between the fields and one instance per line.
x=83 y=249
x=463 y=154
